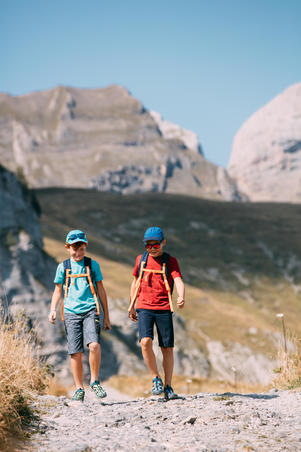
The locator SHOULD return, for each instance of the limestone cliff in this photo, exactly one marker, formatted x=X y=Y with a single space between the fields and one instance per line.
x=104 y=139
x=266 y=155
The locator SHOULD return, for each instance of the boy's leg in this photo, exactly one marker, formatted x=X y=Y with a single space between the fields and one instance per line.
x=146 y=320
x=168 y=361
x=94 y=360
x=91 y=327
x=92 y=338
x=165 y=331
x=77 y=369
x=74 y=331
x=149 y=356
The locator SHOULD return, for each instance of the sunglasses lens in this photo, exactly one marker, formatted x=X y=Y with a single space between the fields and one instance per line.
x=156 y=246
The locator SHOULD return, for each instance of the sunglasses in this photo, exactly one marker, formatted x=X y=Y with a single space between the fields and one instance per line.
x=80 y=235
x=156 y=246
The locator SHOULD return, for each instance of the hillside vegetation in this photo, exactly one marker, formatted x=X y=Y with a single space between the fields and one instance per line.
x=240 y=261
x=22 y=376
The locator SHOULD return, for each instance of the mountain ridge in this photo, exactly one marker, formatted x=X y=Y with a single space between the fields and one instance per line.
x=105 y=139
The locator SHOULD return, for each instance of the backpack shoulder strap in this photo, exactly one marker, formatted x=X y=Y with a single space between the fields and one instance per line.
x=144 y=258
x=67 y=281
x=67 y=266
x=88 y=263
x=165 y=260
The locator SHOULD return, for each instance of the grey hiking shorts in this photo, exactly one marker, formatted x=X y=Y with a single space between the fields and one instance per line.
x=81 y=327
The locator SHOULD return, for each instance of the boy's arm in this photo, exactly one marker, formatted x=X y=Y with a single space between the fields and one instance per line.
x=104 y=303
x=181 y=291
x=132 y=312
x=56 y=296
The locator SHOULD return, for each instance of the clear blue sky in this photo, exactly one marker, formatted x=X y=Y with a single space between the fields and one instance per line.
x=206 y=65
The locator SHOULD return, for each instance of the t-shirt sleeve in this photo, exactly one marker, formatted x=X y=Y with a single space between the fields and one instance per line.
x=96 y=271
x=136 y=268
x=59 y=276
x=174 y=268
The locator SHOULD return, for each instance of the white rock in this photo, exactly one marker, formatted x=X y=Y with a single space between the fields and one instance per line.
x=266 y=155
x=170 y=130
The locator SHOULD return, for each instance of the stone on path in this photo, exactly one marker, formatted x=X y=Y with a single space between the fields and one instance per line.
x=263 y=422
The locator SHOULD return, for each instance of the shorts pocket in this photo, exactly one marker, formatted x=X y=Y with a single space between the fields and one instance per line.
x=98 y=323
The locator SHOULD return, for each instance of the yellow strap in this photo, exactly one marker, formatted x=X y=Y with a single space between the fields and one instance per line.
x=92 y=289
x=138 y=282
x=168 y=289
x=91 y=285
x=66 y=291
x=137 y=287
x=153 y=271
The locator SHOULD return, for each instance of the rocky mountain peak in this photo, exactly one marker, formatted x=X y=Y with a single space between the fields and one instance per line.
x=104 y=139
x=266 y=155
x=170 y=130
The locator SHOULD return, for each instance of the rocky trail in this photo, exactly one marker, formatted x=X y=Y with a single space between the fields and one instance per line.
x=204 y=422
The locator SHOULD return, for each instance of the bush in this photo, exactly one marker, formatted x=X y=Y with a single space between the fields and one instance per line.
x=289 y=362
x=22 y=375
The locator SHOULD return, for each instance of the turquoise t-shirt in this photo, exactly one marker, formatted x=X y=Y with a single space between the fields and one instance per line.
x=80 y=298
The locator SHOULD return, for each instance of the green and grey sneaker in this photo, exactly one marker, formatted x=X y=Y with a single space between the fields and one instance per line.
x=99 y=391
x=169 y=393
x=79 y=395
x=157 y=387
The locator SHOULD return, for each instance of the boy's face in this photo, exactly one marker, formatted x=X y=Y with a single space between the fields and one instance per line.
x=154 y=247
x=77 y=251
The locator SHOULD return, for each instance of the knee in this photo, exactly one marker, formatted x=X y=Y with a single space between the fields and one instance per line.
x=146 y=343
x=167 y=350
x=76 y=356
x=94 y=347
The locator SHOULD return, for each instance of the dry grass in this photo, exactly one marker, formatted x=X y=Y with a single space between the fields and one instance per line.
x=140 y=386
x=289 y=366
x=56 y=388
x=21 y=376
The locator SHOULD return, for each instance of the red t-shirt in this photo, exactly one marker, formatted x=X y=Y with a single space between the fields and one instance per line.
x=152 y=293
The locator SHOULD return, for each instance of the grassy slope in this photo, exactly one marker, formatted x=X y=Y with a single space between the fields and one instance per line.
x=236 y=258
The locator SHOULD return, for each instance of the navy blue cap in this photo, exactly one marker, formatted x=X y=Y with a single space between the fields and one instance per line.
x=153 y=233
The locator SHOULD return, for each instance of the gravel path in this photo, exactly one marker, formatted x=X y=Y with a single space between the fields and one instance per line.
x=204 y=422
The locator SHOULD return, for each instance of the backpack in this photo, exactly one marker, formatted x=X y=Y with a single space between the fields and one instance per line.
x=164 y=274
x=164 y=260
x=87 y=263
x=89 y=274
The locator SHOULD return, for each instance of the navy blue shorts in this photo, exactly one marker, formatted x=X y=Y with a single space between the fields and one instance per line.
x=147 y=318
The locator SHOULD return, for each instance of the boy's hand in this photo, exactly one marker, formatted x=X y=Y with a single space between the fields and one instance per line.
x=180 y=302
x=106 y=323
x=133 y=315
x=52 y=316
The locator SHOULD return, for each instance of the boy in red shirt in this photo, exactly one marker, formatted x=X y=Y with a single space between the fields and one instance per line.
x=154 y=307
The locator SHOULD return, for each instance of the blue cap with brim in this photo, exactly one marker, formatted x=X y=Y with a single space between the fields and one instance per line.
x=76 y=236
x=153 y=233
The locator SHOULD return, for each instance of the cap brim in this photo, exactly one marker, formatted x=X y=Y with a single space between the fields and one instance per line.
x=71 y=242
x=152 y=238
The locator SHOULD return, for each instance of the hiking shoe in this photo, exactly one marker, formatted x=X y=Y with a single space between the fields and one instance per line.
x=79 y=395
x=99 y=391
x=169 y=393
x=157 y=387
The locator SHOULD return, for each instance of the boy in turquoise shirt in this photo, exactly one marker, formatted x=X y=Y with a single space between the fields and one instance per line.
x=81 y=279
